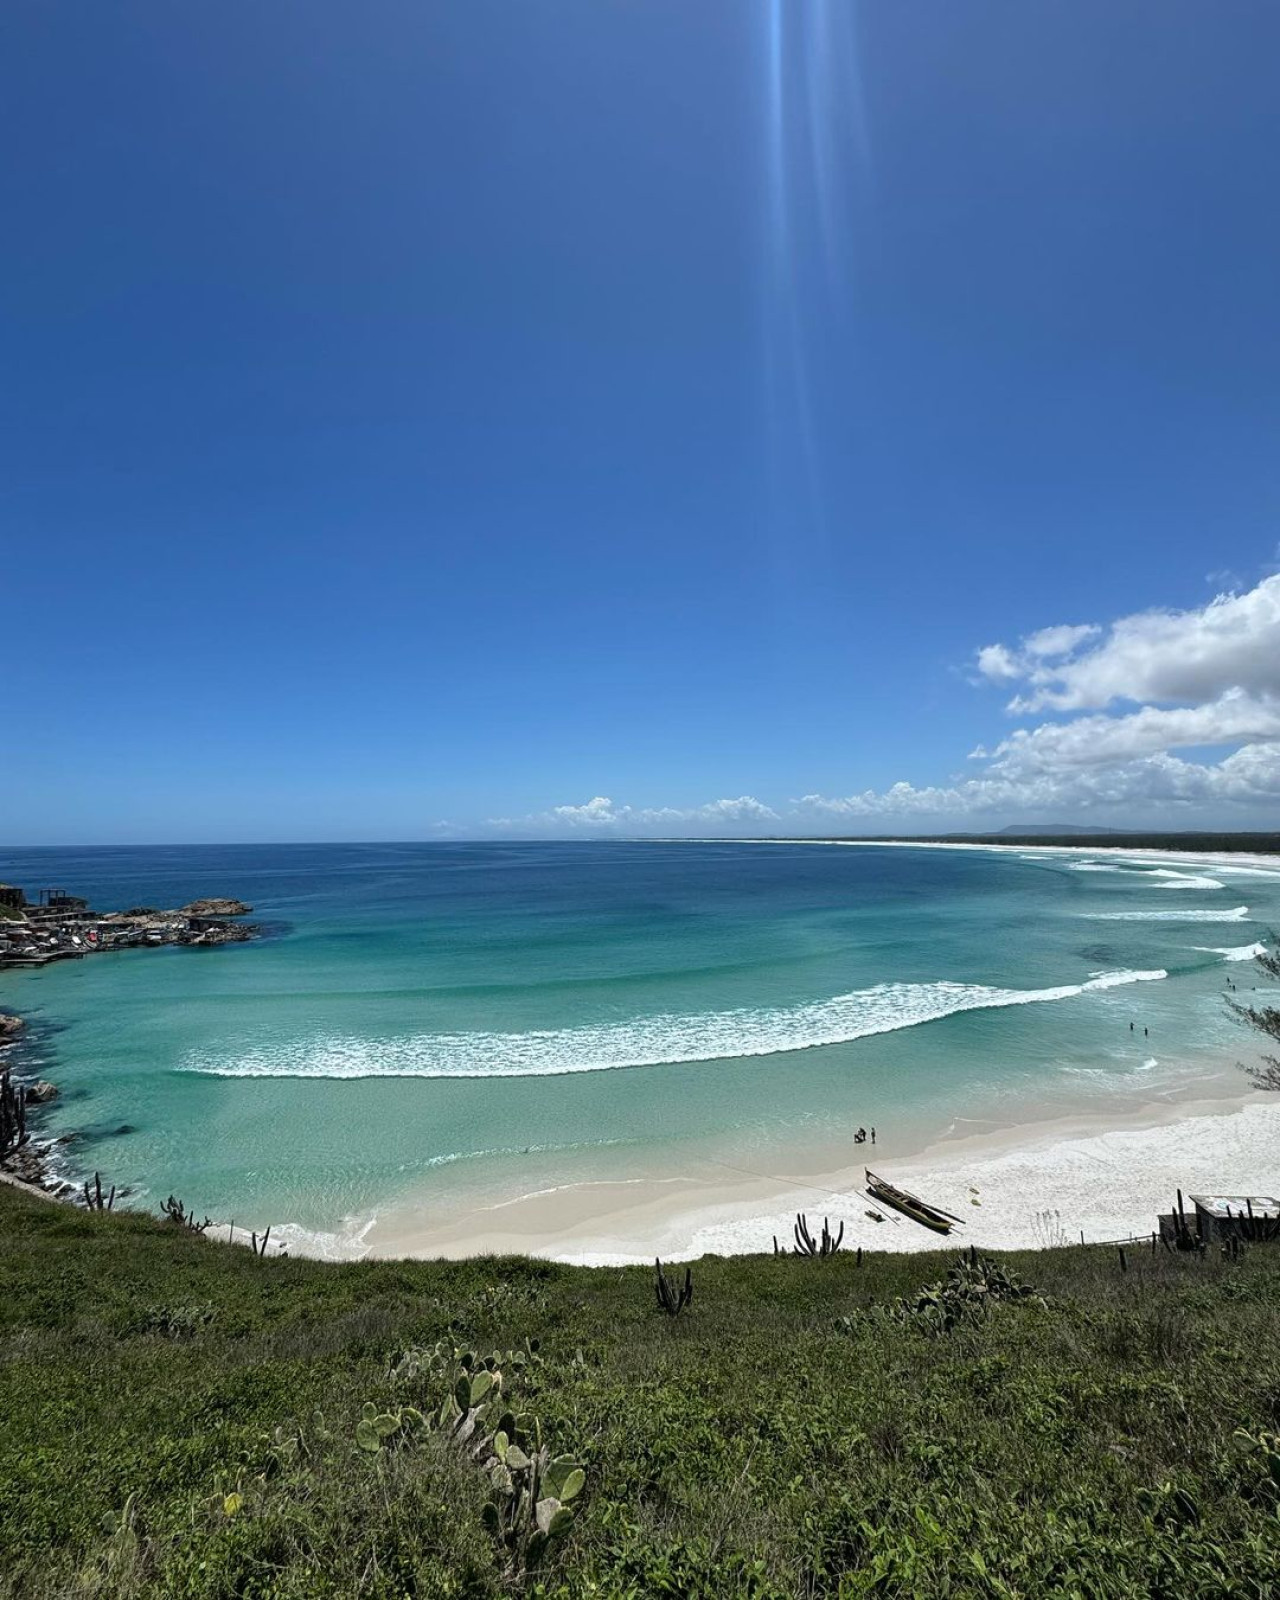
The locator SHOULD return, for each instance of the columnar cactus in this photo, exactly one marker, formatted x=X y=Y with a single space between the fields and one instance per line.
x=93 y=1196
x=807 y=1245
x=670 y=1299
x=13 y=1116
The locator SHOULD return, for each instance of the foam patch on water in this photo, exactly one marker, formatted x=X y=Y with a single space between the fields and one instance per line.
x=1236 y=914
x=288 y=1238
x=1182 y=880
x=1091 y=866
x=665 y=1039
x=1239 y=952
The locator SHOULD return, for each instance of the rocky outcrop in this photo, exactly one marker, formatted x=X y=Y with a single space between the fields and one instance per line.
x=57 y=936
x=41 y=1092
x=224 y=933
x=10 y=1028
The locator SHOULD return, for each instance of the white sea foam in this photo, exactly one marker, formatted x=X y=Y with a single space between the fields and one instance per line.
x=660 y=1040
x=1182 y=880
x=1169 y=878
x=1236 y=914
x=289 y=1238
x=1239 y=952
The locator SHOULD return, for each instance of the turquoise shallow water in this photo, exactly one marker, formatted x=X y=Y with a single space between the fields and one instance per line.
x=471 y=1019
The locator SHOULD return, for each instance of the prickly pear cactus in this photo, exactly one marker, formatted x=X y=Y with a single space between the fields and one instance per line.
x=375 y=1427
x=530 y=1489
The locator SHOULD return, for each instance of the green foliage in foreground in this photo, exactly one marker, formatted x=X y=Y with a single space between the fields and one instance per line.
x=178 y=1418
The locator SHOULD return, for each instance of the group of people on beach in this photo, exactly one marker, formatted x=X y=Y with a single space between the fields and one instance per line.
x=861 y=1136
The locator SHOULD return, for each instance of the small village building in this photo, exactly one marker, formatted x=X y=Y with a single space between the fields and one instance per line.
x=60 y=900
x=56 y=905
x=1219 y=1218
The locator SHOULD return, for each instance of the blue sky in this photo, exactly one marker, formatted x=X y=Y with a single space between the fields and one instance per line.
x=565 y=417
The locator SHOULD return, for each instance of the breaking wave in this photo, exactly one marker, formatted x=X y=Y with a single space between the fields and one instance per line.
x=1239 y=952
x=1236 y=914
x=661 y=1040
x=1182 y=880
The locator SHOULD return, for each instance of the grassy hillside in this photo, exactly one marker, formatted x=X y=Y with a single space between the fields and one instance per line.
x=180 y=1418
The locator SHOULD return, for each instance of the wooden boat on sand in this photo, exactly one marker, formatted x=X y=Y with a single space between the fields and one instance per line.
x=910 y=1206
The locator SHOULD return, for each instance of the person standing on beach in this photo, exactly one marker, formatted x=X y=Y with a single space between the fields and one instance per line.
x=873 y=1135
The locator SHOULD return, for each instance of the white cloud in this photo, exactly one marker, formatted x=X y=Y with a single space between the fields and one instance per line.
x=1152 y=786
x=998 y=662
x=597 y=813
x=1101 y=741
x=1060 y=641
x=1165 y=657
x=1199 y=679
x=601 y=815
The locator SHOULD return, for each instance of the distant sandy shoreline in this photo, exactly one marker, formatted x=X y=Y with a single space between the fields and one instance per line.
x=1245 y=859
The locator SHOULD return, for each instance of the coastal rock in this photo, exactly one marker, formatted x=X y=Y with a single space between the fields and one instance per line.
x=38 y=1094
x=10 y=1028
x=216 y=908
x=227 y=933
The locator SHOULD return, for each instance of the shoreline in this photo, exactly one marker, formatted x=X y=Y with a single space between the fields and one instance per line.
x=1017 y=1187
x=1130 y=1150
x=1245 y=861
x=25 y=1161
x=62 y=927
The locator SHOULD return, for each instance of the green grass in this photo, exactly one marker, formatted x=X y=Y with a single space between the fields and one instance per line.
x=758 y=1445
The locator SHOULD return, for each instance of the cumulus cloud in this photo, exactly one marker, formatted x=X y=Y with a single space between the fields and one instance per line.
x=999 y=663
x=1107 y=706
x=597 y=813
x=1151 y=657
x=1093 y=741
x=1060 y=641
x=1159 y=784
x=1199 y=678
x=602 y=814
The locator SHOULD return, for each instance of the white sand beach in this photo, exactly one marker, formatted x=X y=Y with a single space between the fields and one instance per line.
x=1239 y=863
x=1106 y=1176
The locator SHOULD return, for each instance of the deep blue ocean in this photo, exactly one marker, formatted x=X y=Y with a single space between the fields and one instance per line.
x=482 y=1018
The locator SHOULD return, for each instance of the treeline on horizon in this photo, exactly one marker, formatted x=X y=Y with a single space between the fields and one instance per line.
x=1261 y=843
